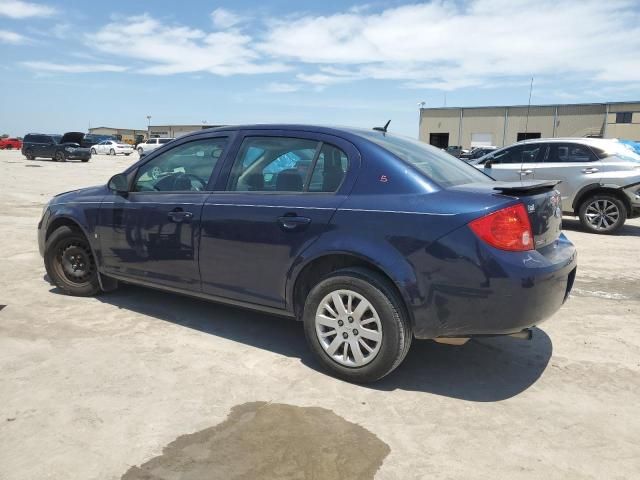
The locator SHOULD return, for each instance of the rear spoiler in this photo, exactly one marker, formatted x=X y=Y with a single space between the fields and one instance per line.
x=526 y=187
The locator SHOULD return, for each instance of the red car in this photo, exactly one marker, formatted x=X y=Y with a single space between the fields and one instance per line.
x=9 y=143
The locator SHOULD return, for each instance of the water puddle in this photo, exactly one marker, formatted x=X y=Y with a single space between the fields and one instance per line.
x=261 y=440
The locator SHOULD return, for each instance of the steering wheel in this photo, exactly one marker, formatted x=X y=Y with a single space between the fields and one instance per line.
x=181 y=177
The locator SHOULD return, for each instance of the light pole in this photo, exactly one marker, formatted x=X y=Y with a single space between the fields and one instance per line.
x=148 y=126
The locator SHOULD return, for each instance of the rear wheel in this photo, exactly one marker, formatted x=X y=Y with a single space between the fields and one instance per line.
x=59 y=157
x=29 y=155
x=602 y=213
x=70 y=264
x=356 y=326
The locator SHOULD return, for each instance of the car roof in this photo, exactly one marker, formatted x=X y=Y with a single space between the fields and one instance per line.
x=584 y=140
x=345 y=132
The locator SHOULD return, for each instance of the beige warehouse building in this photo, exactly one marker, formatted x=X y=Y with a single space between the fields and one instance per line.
x=499 y=126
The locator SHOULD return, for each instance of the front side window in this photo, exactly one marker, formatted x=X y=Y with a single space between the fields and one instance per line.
x=272 y=164
x=187 y=167
x=569 y=152
x=524 y=153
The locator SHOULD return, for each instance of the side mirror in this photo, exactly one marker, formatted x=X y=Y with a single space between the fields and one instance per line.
x=487 y=164
x=119 y=183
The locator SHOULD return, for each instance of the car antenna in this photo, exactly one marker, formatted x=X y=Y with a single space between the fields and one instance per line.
x=382 y=129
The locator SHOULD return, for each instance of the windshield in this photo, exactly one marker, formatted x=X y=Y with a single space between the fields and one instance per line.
x=442 y=168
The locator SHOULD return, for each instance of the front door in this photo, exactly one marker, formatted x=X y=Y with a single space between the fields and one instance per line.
x=280 y=194
x=153 y=233
x=515 y=163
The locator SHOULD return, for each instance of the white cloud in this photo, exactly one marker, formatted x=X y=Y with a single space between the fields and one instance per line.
x=449 y=45
x=282 y=87
x=165 y=49
x=7 y=36
x=50 y=67
x=20 y=9
x=223 y=18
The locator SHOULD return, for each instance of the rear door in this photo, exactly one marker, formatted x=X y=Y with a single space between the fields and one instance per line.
x=276 y=197
x=574 y=164
x=517 y=162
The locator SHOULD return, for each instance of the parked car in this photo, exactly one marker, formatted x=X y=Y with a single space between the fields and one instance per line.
x=10 y=143
x=456 y=150
x=151 y=144
x=368 y=238
x=55 y=147
x=91 y=139
x=111 y=147
x=477 y=152
x=600 y=178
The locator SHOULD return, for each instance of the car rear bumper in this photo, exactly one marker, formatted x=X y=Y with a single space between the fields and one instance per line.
x=485 y=291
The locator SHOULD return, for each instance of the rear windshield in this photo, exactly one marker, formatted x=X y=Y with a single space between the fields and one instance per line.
x=439 y=166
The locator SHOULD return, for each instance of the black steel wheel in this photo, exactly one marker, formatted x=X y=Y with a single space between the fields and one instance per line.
x=70 y=263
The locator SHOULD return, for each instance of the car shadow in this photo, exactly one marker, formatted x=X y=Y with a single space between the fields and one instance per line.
x=627 y=230
x=487 y=369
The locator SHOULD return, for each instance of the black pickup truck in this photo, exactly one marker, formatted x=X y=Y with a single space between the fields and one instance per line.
x=55 y=147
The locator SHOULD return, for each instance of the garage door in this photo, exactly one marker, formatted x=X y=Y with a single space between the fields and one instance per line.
x=481 y=139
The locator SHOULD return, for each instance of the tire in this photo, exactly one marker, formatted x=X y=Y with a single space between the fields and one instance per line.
x=59 y=157
x=602 y=213
x=384 y=317
x=112 y=152
x=84 y=160
x=127 y=154
x=140 y=151
x=29 y=155
x=93 y=151
x=65 y=246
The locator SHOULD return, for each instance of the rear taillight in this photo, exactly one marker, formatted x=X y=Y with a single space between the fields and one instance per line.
x=506 y=229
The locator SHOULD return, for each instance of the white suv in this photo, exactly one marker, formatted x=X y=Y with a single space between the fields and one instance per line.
x=152 y=144
x=600 y=179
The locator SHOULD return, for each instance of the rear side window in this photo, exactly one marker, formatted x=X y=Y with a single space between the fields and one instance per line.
x=272 y=164
x=330 y=169
x=437 y=165
x=569 y=153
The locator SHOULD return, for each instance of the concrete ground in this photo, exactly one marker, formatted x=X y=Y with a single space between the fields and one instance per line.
x=96 y=388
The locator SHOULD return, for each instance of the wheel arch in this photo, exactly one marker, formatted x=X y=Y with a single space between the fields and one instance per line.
x=311 y=271
x=596 y=189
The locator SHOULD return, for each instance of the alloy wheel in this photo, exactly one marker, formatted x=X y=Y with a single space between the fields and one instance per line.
x=602 y=214
x=348 y=328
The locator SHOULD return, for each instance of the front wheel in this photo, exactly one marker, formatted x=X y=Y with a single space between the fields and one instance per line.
x=93 y=151
x=140 y=150
x=70 y=264
x=602 y=213
x=355 y=325
x=112 y=152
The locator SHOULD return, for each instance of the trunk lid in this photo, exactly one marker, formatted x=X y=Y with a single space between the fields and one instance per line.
x=541 y=200
x=72 y=137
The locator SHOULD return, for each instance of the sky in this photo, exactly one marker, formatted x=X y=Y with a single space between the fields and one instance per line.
x=67 y=65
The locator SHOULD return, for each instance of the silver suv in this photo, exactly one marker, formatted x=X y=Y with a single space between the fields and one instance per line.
x=600 y=179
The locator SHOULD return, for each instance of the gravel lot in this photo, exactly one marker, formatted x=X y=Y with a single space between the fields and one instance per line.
x=93 y=388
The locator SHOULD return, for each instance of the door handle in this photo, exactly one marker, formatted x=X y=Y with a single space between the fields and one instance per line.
x=178 y=215
x=590 y=170
x=525 y=172
x=293 y=222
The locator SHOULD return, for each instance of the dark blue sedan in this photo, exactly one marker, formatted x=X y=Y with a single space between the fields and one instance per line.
x=368 y=238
